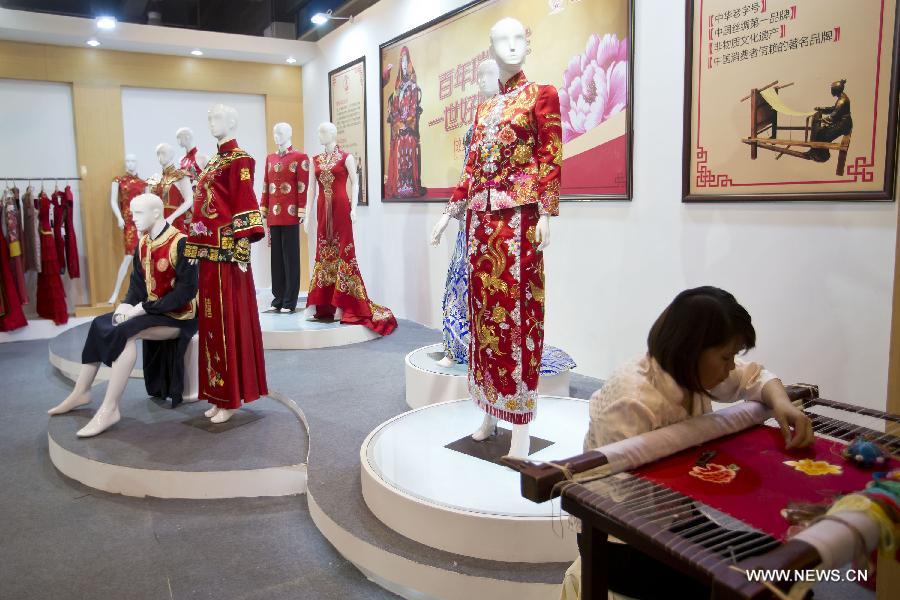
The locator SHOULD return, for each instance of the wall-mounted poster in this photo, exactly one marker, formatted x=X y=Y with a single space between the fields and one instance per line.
x=429 y=94
x=347 y=110
x=790 y=100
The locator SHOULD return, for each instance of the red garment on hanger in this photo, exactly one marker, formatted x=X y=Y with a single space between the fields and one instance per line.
x=51 y=297
x=71 y=240
x=58 y=217
x=11 y=315
x=14 y=234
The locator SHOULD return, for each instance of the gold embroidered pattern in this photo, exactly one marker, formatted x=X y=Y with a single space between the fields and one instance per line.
x=207 y=308
x=245 y=174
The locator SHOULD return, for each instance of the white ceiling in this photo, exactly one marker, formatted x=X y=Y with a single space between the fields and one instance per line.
x=22 y=26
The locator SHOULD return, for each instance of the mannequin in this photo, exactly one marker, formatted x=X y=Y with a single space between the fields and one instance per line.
x=174 y=187
x=191 y=163
x=336 y=285
x=123 y=189
x=510 y=188
x=283 y=205
x=456 y=297
x=226 y=221
x=160 y=308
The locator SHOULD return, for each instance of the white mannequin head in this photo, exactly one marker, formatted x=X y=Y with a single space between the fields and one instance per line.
x=488 y=78
x=185 y=137
x=327 y=133
x=508 y=45
x=165 y=154
x=146 y=211
x=223 y=121
x=131 y=163
x=282 y=133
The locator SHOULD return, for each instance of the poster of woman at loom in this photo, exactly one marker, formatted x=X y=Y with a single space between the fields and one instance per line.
x=790 y=100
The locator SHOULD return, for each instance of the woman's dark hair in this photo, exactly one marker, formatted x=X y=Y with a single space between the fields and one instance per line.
x=697 y=319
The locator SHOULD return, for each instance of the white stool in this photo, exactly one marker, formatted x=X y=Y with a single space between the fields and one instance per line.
x=191 y=358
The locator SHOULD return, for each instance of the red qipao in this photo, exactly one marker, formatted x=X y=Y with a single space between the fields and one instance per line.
x=11 y=315
x=58 y=219
x=512 y=177
x=15 y=235
x=129 y=186
x=336 y=280
x=71 y=238
x=171 y=196
x=51 y=298
x=225 y=221
x=189 y=164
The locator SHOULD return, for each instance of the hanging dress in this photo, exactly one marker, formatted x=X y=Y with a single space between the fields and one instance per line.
x=71 y=239
x=31 y=240
x=57 y=219
x=51 y=297
x=11 y=315
x=336 y=280
x=12 y=220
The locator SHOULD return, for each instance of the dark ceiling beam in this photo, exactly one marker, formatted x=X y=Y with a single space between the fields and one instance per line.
x=134 y=11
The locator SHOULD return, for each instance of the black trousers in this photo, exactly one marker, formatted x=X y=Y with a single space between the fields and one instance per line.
x=285 y=265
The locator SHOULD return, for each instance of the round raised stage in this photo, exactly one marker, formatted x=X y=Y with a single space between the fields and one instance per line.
x=425 y=478
x=177 y=453
x=65 y=354
x=291 y=331
x=428 y=382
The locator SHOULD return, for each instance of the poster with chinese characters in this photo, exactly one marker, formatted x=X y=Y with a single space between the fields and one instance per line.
x=429 y=94
x=790 y=100
x=347 y=110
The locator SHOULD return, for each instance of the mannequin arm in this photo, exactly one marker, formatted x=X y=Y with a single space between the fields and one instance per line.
x=137 y=289
x=114 y=204
x=439 y=228
x=353 y=176
x=311 y=200
x=542 y=232
x=202 y=161
x=184 y=186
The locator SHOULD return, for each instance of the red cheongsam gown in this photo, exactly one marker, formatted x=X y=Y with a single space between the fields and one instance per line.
x=225 y=221
x=171 y=196
x=336 y=280
x=71 y=238
x=51 y=297
x=189 y=165
x=11 y=315
x=512 y=178
x=15 y=234
x=129 y=186
x=58 y=218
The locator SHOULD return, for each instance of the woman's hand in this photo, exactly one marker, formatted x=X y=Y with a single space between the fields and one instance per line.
x=790 y=417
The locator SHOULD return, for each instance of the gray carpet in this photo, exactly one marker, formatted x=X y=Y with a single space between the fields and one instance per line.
x=63 y=540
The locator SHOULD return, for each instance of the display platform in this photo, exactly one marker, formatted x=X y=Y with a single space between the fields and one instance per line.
x=65 y=354
x=448 y=499
x=176 y=453
x=428 y=382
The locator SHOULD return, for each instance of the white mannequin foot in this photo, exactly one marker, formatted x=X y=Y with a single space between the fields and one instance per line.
x=447 y=361
x=338 y=314
x=223 y=415
x=519 y=446
x=487 y=429
x=103 y=420
x=211 y=412
x=310 y=313
x=72 y=401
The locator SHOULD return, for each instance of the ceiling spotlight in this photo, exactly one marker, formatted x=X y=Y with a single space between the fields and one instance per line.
x=106 y=23
x=290 y=60
x=197 y=52
x=93 y=43
x=321 y=18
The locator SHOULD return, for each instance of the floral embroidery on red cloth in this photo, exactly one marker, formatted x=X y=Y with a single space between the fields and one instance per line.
x=715 y=473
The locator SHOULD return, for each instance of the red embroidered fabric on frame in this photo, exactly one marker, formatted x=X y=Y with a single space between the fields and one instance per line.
x=763 y=484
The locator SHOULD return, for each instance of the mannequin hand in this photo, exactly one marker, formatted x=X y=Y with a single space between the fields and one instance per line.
x=542 y=232
x=439 y=228
x=136 y=311
x=169 y=220
x=243 y=266
x=120 y=313
x=121 y=223
x=305 y=223
x=353 y=216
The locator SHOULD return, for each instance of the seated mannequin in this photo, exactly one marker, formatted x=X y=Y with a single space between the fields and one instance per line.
x=160 y=308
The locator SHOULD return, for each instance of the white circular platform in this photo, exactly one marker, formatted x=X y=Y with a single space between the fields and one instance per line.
x=291 y=331
x=454 y=502
x=427 y=382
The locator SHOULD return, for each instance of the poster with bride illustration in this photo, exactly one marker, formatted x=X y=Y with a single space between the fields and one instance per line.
x=790 y=100
x=429 y=94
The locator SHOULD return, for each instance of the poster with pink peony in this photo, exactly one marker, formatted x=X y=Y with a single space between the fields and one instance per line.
x=790 y=100
x=429 y=94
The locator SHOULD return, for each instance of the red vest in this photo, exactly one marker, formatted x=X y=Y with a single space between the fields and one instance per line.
x=159 y=258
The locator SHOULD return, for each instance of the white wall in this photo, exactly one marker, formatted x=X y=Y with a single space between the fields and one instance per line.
x=816 y=277
x=152 y=116
x=37 y=139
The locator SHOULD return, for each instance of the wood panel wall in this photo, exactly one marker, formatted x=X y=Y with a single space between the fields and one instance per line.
x=97 y=77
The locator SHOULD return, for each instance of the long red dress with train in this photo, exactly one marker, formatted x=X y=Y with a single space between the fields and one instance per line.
x=336 y=280
x=71 y=239
x=226 y=220
x=51 y=297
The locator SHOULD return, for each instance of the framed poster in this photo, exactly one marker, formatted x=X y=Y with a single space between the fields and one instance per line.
x=790 y=100
x=347 y=110
x=429 y=94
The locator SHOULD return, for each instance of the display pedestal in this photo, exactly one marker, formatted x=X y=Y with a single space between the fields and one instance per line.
x=427 y=382
x=417 y=484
